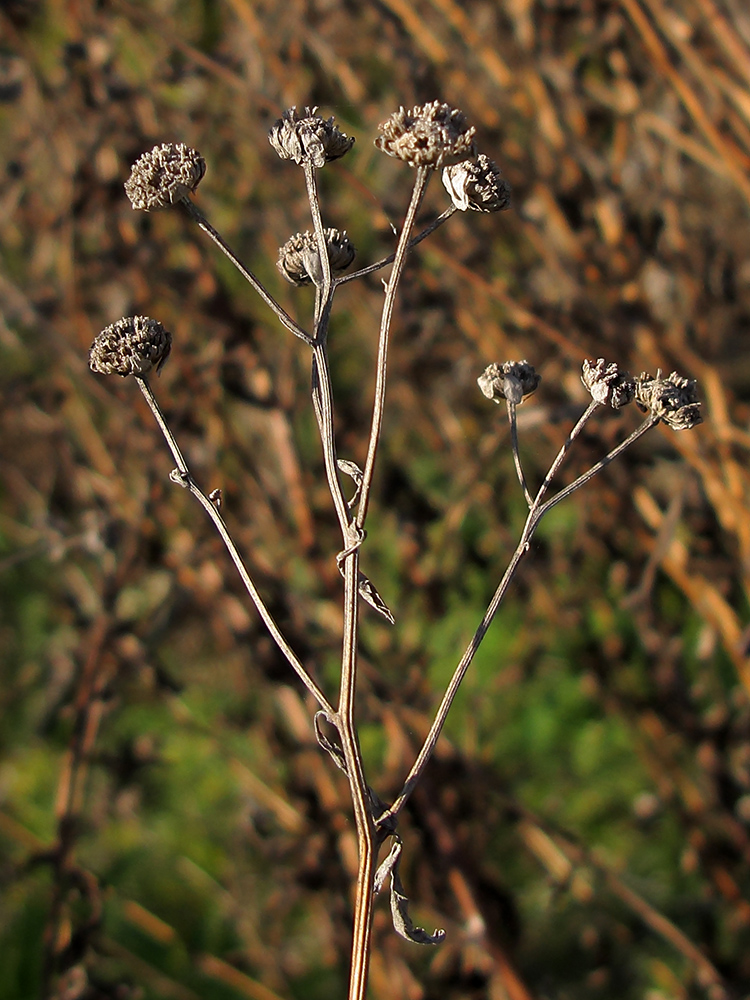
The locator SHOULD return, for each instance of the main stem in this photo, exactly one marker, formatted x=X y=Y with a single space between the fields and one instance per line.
x=360 y=961
x=366 y=835
x=344 y=718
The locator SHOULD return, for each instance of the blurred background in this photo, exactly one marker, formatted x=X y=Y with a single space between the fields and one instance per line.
x=168 y=828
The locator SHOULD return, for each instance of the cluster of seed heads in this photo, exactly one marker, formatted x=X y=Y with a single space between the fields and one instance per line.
x=673 y=399
x=430 y=136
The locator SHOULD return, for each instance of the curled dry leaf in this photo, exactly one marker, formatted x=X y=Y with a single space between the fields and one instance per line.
x=402 y=922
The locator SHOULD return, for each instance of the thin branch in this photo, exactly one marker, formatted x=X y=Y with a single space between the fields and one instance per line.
x=322 y=390
x=197 y=216
x=536 y=513
x=184 y=478
x=420 y=184
x=322 y=397
x=391 y=257
x=324 y=299
x=651 y=421
x=560 y=457
x=511 y=408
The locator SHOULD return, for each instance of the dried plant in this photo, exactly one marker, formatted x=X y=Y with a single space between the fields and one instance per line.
x=429 y=137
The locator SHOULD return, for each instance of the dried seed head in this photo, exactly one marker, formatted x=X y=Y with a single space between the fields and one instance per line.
x=308 y=138
x=512 y=380
x=607 y=384
x=430 y=135
x=131 y=346
x=299 y=260
x=165 y=175
x=673 y=399
x=478 y=185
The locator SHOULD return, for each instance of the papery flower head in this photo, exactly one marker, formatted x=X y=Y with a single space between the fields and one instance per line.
x=165 y=175
x=299 y=260
x=673 y=399
x=134 y=345
x=477 y=185
x=607 y=384
x=512 y=380
x=308 y=137
x=429 y=135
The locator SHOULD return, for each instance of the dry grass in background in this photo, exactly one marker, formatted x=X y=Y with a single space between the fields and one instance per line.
x=585 y=827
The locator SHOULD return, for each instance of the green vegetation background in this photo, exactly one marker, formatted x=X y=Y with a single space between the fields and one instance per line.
x=584 y=829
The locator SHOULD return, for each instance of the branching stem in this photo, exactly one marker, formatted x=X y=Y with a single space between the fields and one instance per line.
x=391 y=257
x=536 y=513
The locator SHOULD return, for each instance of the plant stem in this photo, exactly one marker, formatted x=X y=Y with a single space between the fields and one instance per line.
x=511 y=408
x=346 y=724
x=391 y=257
x=197 y=216
x=344 y=718
x=535 y=515
x=322 y=390
x=184 y=478
x=420 y=184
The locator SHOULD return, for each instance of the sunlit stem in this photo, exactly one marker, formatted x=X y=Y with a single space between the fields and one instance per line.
x=184 y=478
x=536 y=513
x=197 y=216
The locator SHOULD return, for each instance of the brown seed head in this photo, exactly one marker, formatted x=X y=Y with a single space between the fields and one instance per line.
x=512 y=380
x=299 y=260
x=430 y=135
x=165 y=175
x=477 y=185
x=607 y=384
x=131 y=346
x=673 y=399
x=308 y=137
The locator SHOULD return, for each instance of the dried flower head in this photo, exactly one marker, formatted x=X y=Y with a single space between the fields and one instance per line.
x=131 y=346
x=308 y=138
x=430 y=135
x=478 y=185
x=299 y=260
x=607 y=384
x=512 y=380
x=165 y=175
x=673 y=399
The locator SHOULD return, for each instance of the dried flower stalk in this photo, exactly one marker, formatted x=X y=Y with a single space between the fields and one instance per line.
x=427 y=138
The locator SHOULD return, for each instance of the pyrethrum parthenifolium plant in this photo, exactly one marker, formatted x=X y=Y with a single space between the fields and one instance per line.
x=428 y=138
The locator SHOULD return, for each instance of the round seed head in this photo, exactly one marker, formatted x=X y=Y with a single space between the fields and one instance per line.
x=673 y=399
x=607 y=384
x=512 y=380
x=165 y=175
x=477 y=185
x=299 y=260
x=308 y=138
x=131 y=346
x=430 y=135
